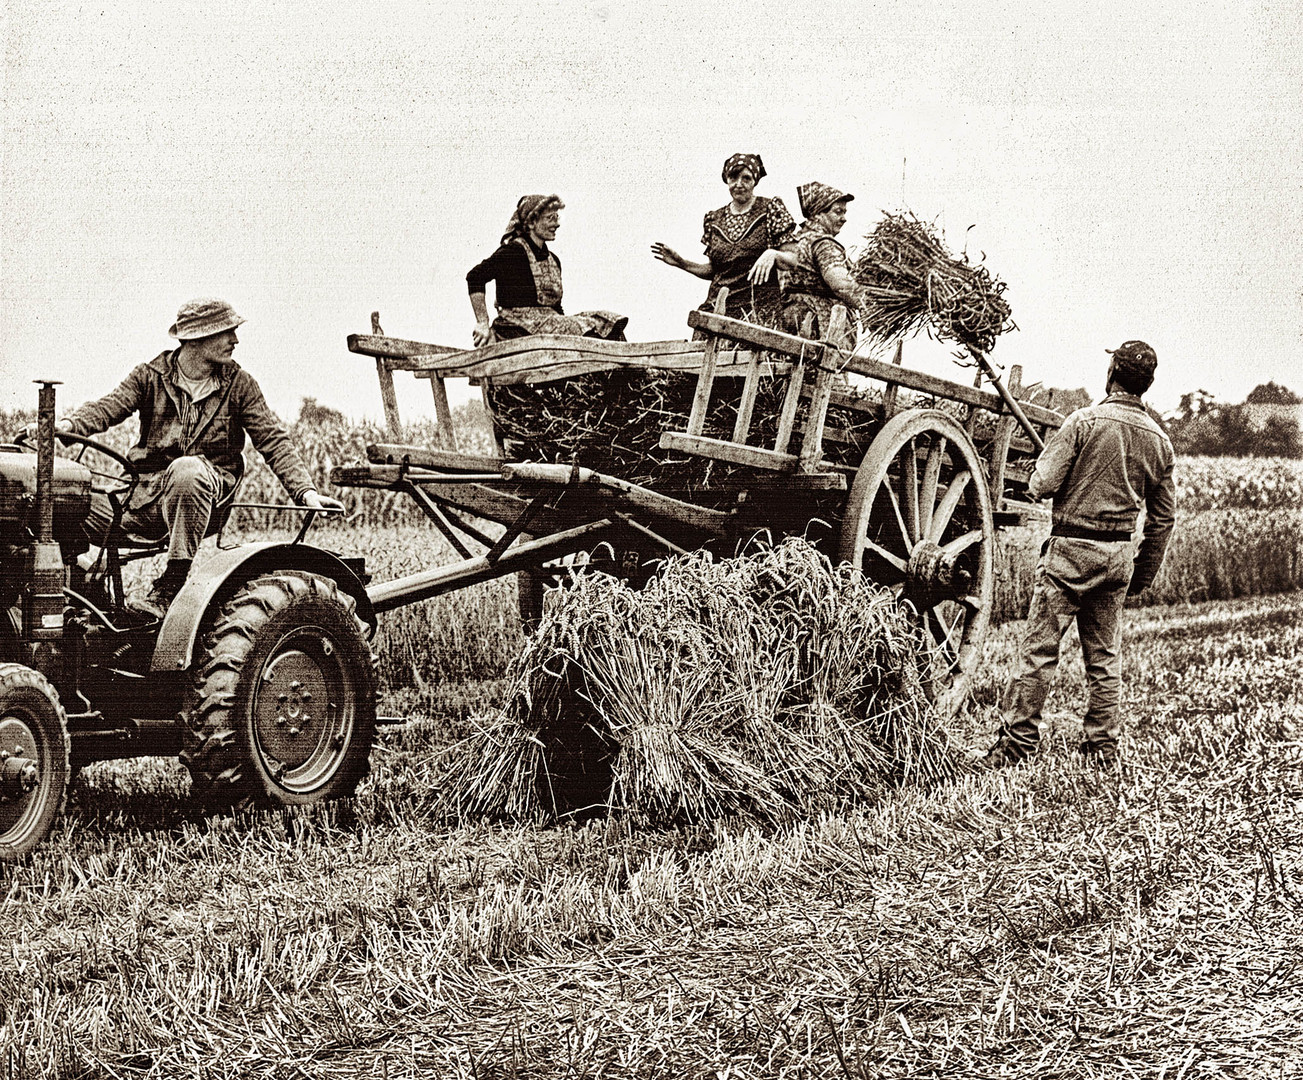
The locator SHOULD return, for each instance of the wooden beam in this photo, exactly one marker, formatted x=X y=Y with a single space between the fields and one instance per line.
x=760 y=336
x=706 y=376
x=944 y=388
x=1000 y=443
x=388 y=399
x=443 y=414
x=812 y=443
x=795 y=385
x=889 y=394
x=541 y=364
x=633 y=496
x=425 y=457
x=745 y=407
x=723 y=450
x=403 y=355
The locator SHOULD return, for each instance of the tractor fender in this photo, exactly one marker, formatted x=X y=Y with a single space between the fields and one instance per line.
x=221 y=576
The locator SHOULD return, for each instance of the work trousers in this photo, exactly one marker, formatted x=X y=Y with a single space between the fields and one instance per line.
x=1086 y=580
x=177 y=503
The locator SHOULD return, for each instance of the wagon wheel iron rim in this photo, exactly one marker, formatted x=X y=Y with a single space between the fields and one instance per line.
x=918 y=521
x=303 y=709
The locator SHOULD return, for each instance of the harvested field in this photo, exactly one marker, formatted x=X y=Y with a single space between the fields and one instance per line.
x=1044 y=921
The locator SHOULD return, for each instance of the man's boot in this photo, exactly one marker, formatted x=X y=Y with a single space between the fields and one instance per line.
x=163 y=591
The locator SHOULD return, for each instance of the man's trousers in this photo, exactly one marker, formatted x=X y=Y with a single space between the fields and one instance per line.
x=1085 y=579
x=177 y=503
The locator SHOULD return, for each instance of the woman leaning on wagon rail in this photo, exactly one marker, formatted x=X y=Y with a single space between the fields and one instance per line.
x=742 y=242
x=822 y=274
x=528 y=282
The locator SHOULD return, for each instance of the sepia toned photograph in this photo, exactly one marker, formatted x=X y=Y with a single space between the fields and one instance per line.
x=651 y=540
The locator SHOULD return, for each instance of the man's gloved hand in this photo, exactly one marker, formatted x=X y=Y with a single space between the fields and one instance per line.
x=317 y=501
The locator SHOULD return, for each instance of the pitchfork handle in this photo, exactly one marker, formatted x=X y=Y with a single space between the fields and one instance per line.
x=1009 y=400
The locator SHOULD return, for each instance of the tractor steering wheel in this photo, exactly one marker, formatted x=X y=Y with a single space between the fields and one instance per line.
x=129 y=467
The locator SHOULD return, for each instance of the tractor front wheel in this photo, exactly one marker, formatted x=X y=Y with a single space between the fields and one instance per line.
x=283 y=705
x=33 y=759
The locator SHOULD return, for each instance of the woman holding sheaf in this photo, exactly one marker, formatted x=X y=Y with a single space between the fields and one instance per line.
x=821 y=276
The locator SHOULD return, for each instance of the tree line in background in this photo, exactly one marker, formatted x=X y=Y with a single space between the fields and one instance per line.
x=1266 y=424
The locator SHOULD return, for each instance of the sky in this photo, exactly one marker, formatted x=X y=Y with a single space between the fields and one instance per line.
x=1130 y=170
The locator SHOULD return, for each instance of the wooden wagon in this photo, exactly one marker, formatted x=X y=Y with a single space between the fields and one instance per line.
x=908 y=480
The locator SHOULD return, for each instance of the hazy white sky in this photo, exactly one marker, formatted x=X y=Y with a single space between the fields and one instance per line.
x=1129 y=169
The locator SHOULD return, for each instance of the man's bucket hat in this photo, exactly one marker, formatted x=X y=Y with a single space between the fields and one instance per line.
x=203 y=318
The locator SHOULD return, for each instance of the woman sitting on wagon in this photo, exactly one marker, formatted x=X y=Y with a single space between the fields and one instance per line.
x=528 y=277
x=822 y=274
x=741 y=241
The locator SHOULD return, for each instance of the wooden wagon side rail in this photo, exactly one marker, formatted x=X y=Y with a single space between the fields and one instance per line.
x=534 y=359
x=789 y=344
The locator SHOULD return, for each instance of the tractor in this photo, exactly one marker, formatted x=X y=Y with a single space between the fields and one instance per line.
x=260 y=677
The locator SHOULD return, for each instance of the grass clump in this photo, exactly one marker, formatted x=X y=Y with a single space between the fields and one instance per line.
x=763 y=687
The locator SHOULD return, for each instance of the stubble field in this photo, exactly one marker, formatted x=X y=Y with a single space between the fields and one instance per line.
x=1050 y=920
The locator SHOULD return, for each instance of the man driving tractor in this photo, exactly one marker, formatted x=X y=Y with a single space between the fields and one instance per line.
x=196 y=406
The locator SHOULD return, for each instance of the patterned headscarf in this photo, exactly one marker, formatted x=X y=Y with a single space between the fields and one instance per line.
x=815 y=198
x=744 y=161
x=528 y=208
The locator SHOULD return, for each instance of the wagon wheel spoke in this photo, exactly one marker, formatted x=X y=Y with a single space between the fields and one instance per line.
x=909 y=480
x=945 y=510
x=961 y=542
x=900 y=520
x=891 y=557
x=927 y=496
x=946 y=637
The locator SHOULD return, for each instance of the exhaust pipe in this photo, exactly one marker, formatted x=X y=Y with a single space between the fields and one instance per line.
x=43 y=612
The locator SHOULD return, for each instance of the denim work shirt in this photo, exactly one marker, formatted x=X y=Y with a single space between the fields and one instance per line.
x=213 y=428
x=1103 y=465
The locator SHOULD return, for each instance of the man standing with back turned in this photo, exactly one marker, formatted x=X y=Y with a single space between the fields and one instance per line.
x=1106 y=463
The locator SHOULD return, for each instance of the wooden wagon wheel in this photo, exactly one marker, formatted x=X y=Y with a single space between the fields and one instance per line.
x=918 y=520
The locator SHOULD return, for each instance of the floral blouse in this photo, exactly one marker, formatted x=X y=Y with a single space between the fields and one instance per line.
x=733 y=242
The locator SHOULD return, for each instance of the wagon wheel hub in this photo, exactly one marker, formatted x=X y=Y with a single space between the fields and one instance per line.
x=935 y=573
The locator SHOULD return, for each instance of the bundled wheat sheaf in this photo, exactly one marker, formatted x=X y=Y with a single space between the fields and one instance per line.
x=912 y=283
x=762 y=687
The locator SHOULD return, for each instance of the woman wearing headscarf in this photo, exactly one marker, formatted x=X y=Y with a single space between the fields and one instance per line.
x=821 y=276
x=528 y=282
x=741 y=241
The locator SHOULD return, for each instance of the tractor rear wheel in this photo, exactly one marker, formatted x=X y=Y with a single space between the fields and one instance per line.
x=33 y=759
x=283 y=704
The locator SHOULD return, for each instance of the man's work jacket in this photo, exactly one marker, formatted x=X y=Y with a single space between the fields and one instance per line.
x=214 y=428
x=1103 y=465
